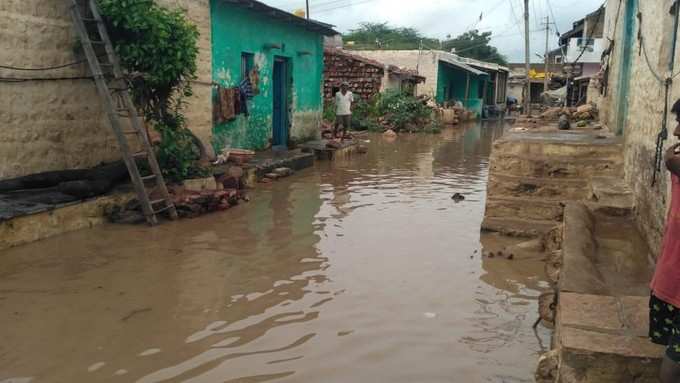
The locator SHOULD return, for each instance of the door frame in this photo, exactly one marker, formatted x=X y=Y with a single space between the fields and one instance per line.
x=281 y=94
x=626 y=51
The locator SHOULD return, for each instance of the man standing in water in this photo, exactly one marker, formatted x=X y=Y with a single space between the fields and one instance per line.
x=664 y=304
x=343 y=110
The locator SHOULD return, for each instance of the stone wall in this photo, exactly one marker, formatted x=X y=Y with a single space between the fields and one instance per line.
x=364 y=76
x=60 y=124
x=644 y=103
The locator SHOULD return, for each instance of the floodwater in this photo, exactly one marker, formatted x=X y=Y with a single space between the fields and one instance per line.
x=363 y=270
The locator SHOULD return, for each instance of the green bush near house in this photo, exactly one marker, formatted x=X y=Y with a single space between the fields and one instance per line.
x=158 y=49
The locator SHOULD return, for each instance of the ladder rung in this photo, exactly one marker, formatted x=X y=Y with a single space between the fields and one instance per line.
x=141 y=154
x=98 y=42
x=89 y=20
x=162 y=209
x=146 y=178
x=156 y=202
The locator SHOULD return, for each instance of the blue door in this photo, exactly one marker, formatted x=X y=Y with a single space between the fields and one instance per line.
x=281 y=104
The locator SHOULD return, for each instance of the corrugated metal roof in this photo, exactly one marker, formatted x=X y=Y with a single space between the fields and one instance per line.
x=276 y=13
x=465 y=67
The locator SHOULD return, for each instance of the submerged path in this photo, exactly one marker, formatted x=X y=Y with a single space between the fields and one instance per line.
x=363 y=270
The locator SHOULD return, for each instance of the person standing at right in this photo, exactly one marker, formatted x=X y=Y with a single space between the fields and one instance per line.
x=664 y=304
x=343 y=110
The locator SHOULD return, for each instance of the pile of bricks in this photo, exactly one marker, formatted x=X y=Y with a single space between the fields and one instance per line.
x=364 y=75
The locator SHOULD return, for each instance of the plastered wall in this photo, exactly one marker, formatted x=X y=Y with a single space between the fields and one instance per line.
x=60 y=124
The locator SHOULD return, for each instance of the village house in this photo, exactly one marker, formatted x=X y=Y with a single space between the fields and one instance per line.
x=451 y=78
x=54 y=120
x=366 y=77
x=286 y=52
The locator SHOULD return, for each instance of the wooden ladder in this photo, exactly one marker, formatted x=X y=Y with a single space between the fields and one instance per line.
x=113 y=90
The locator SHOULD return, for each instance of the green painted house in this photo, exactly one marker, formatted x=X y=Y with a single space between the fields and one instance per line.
x=287 y=53
x=457 y=81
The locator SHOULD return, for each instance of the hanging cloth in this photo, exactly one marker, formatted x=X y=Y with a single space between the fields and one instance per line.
x=254 y=77
x=225 y=101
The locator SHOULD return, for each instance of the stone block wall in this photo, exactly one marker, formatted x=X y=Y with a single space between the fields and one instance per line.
x=645 y=106
x=60 y=124
x=365 y=78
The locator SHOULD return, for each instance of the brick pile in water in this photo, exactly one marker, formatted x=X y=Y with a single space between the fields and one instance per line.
x=364 y=75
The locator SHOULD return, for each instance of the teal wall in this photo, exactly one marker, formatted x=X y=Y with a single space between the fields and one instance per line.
x=236 y=30
x=451 y=85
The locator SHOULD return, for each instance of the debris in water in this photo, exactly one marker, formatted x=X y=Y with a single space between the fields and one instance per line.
x=491 y=254
x=120 y=372
x=458 y=197
x=511 y=257
x=96 y=366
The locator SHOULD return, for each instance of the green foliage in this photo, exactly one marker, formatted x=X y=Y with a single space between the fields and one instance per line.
x=158 y=48
x=384 y=36
x=329 y=111
x=404 y=111
x=475 y=45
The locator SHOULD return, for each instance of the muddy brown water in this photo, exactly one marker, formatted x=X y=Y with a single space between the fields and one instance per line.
x=363 y=270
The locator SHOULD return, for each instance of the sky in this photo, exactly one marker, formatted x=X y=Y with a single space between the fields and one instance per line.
x=439 y=18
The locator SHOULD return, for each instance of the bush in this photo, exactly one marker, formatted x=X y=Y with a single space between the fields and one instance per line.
x=158 y=48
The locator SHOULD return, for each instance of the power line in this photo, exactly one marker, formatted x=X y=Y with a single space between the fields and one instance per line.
x=44 y=68
x=344 y=6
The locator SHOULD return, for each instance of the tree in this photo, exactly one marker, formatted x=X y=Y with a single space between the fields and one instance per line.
x=384 y=36
x=475 y=45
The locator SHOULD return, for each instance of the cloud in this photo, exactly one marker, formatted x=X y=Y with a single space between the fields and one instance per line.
x=439 y=18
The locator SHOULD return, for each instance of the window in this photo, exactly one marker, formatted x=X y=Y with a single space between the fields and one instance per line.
x=247 y=63
x=585 y=42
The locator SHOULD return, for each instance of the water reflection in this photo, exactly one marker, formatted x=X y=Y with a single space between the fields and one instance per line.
x=359 y=270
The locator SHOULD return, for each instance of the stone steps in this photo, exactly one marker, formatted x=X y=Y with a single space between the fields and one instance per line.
x=518 y=227
x=602 y=310
x=555 y=167
x=544 y=188
x=536 y=209
x=612 y=191
x=603 y=339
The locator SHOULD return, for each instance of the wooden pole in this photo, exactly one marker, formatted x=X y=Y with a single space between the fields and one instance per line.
x=547 y=38
x=527 y=60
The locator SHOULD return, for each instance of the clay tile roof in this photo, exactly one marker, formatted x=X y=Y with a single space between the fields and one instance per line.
x=344 y=53
x=409 y=73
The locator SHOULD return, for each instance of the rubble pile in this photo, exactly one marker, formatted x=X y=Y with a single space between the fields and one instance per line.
x=276 y=174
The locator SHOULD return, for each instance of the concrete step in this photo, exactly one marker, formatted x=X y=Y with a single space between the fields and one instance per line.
x=613 y=192
x=531 y=208
x=560 y=144
x=545 y=188
x=518 y=227
x=555 y=167
x=603 y=339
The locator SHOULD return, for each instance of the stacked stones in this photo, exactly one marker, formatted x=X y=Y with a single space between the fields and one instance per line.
x=364 y=75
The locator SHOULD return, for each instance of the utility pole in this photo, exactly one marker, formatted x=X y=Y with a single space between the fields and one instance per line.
x=547 y=38
x=527 y=58
x=307 y=13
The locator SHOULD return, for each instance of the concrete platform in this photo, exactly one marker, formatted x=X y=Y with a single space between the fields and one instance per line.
x=603 y=339
x=602 y=311
x=265 y=162
x=322 y=152
x=33 y=222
